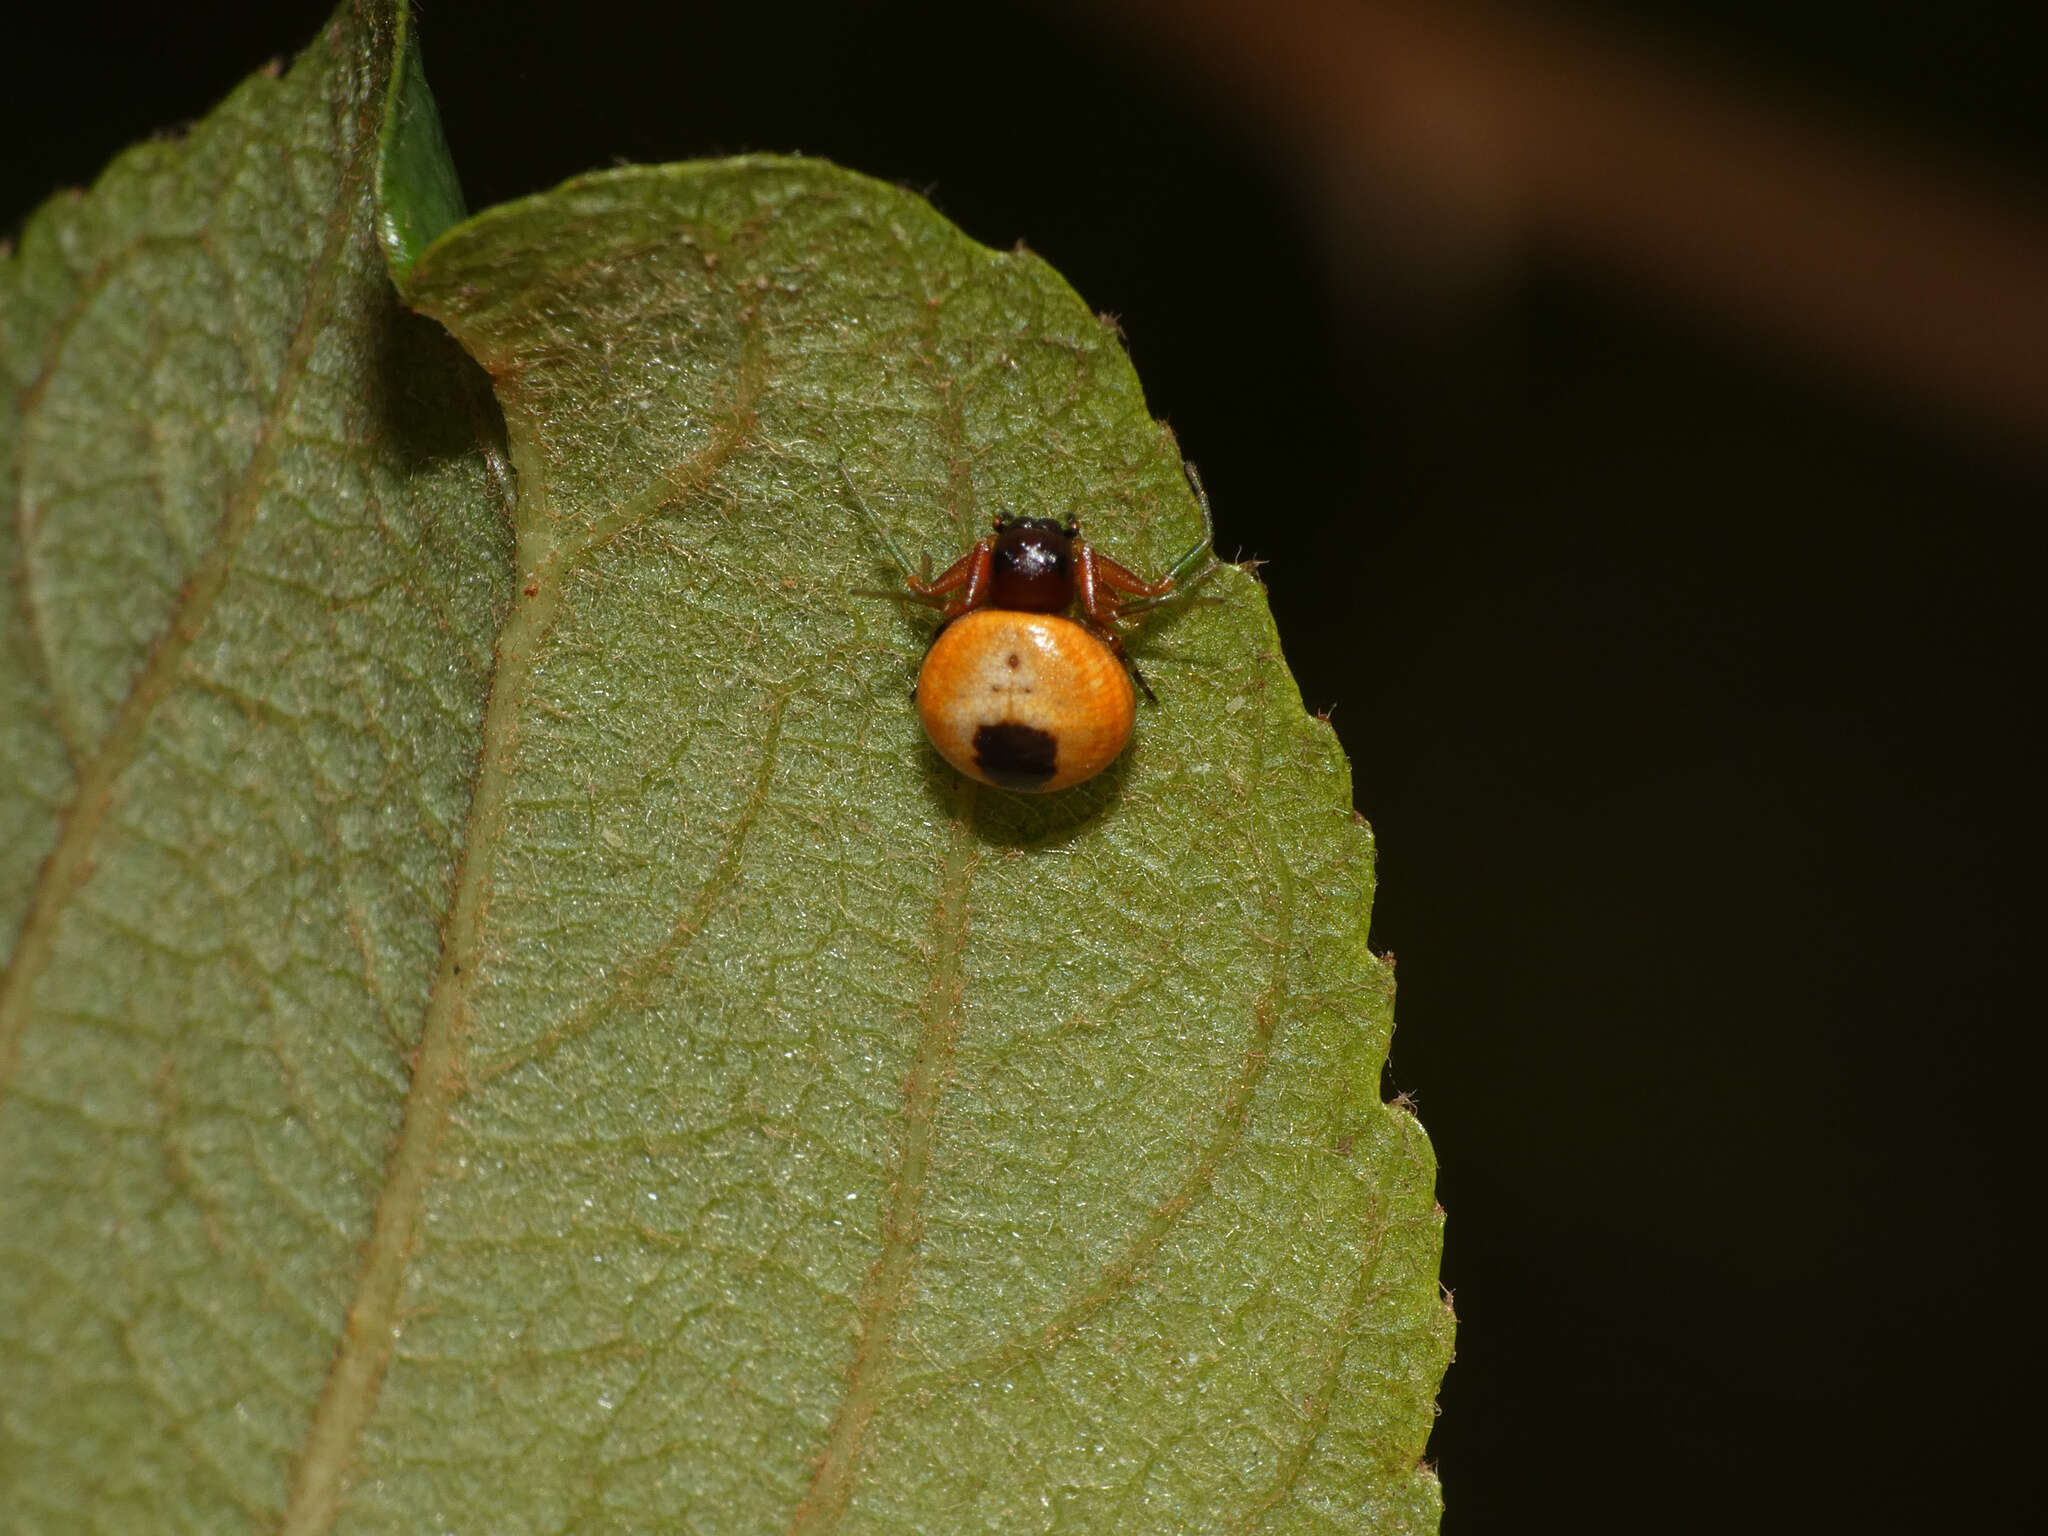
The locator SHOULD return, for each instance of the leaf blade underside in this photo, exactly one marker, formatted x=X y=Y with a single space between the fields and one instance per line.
x=1053 y=1050
x=257 y=551
x=770 y=1132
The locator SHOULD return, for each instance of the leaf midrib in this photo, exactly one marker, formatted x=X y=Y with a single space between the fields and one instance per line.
x=888 y=1285
x=439 y=1077
x=355 y=1378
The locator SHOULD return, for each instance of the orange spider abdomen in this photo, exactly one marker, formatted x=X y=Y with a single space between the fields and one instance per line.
x=1026 y=701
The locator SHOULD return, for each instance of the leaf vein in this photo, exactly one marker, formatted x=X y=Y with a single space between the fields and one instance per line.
x=1118 y=1278
x=356 y=1378
x=1317 y=1410
x=882 y=1302
x=27 y=399
x=69 y=864
x=634 y=980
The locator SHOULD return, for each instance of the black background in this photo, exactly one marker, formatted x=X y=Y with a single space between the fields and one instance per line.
x=1688 y=688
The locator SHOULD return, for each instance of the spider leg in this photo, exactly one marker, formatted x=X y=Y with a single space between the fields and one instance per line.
x=1115 y=642
x=1186 y=573
x=1180 y=590
x=969 y=576
x=897 y=597
x=1207 y=544
x=903 y=564
x=1099 y=611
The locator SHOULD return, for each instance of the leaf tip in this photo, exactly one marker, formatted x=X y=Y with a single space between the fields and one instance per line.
x=418 y=193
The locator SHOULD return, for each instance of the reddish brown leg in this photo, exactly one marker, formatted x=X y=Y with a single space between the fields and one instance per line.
x=1095 y=594
x=968 y=576
x=1123 y=579
x=1096 y=600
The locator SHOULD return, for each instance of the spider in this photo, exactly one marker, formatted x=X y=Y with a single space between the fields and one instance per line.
x=1013 y=692
x=1043 y=565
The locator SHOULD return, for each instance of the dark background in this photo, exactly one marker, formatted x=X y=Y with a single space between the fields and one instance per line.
x=1688 y=684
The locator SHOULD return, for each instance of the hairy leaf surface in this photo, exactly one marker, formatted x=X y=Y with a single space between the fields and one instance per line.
x=508 y=1027
x=258 y=556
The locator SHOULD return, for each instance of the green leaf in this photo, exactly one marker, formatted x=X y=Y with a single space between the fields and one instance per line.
x=258 y=554
x=508 y=1027
x=418 y=195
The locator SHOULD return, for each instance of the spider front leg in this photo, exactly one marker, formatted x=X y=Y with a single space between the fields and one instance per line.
x=1104 y=586
x=968 y=576
x=1096 y=580
x=924 y=567
x=1201 y=560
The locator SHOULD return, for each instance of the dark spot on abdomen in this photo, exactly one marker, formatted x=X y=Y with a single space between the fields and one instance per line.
x=1016 y=661
x=1015 y=756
